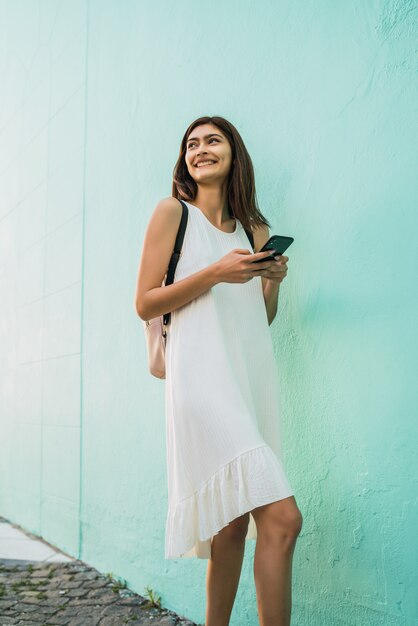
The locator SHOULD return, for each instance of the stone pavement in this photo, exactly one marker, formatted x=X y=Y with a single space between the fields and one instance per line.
x=71 y=593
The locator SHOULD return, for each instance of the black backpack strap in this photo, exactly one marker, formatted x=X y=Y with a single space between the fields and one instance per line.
x=250 y=237
x=177 y=252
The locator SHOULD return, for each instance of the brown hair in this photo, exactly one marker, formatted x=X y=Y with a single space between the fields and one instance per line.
x=241 y=194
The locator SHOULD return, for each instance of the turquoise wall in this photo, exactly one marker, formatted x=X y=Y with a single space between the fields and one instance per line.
x=95 y=99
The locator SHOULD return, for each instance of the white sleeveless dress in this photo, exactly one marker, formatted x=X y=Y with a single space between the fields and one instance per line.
x=222 y=401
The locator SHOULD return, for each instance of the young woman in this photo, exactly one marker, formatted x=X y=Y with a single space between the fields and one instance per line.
x=226 y=481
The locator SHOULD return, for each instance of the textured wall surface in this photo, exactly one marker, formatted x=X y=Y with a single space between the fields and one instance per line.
x=95 y=99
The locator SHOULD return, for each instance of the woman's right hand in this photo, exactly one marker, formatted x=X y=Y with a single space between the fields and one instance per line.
x=237 y=266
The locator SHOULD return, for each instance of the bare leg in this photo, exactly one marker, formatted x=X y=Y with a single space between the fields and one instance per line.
x=224 y=571
x=278 y=526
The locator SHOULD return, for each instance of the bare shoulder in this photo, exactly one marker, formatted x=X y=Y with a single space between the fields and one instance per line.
x=163 y=226
x=169 y=209
x=261 y=234
x=168 y=204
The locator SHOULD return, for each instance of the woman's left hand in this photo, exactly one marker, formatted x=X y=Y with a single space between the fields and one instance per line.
x=277 y=270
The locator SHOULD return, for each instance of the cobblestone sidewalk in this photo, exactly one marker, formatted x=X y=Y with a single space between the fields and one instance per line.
x=74 y=594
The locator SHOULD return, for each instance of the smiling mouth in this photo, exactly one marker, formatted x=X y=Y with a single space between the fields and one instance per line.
x=205 y=164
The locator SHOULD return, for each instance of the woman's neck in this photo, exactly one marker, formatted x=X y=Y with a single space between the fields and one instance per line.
x=214 y=205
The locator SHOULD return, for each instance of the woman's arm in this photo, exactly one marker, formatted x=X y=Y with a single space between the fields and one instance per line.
x=271 y=297
x=271 y=289
x=151 y=298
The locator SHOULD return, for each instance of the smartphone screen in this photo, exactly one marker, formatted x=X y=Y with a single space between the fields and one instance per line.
x=278 y=244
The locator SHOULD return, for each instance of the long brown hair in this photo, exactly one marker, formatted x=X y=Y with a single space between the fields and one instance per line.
x=241 y=193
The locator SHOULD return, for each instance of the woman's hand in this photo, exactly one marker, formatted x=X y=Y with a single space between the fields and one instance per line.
x=238 y=266
x=278 y=270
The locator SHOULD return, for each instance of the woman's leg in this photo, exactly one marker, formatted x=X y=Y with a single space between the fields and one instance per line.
x=224 y=570
x=278 y=526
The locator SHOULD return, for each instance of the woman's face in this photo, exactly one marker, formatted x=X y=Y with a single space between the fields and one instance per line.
x=208 y=143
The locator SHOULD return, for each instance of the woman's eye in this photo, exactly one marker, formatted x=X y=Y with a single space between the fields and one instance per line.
x=191 y=145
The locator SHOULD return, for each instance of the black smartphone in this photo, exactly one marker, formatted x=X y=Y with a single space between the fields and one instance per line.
x=278 y=244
